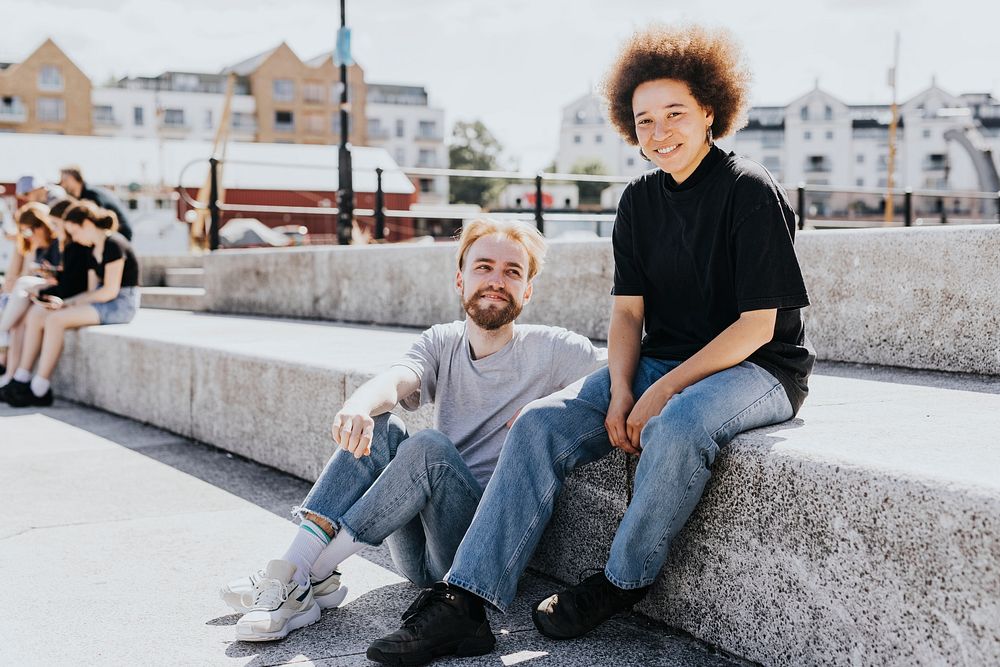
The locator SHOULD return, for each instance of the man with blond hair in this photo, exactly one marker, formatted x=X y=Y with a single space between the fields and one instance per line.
x=419 y=492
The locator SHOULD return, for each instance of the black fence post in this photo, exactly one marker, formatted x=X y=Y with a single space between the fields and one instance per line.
x=802 y=206
x=213 y=204
x=539 y=219
x=379 y=206
x=908 y=208
x=944 y=212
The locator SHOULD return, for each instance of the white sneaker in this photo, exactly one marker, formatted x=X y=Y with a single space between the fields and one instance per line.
x=238 y=593
x=280 y=605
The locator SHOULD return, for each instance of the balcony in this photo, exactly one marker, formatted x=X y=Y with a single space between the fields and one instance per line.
x=820 y=167
x=13 y=113
x=435 y=137
x=378 y=133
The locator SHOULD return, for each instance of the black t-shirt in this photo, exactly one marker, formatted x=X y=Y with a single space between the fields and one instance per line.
x=72 y=280
x=115 y=248
x=52 y=255
x=701 y=253
x=105 y=199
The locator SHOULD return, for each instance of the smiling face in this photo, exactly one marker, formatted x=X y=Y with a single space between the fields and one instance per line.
x=671 y=126
x=494 y=282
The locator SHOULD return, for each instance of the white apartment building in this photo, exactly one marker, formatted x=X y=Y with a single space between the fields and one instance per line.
x=818 y=139
x=174 y=105
x=401 y=121
x=586 y=135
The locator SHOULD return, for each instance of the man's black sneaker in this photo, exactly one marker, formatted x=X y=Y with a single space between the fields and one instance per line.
x=443 y=620
x=19 y=395
x=581 y=608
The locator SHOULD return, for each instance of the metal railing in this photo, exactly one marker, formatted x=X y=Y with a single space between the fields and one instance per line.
x=538 y=213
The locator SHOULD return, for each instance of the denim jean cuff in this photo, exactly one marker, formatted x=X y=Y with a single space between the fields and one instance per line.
x=340 y=525
x=489 y=598
x=627 y=585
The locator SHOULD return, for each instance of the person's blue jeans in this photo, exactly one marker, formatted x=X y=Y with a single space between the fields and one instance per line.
x=414 y=492
x=556 y=434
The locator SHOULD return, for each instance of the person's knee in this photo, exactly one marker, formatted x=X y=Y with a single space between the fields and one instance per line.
x=679 y=431
x=54 y=323
x=427 y=446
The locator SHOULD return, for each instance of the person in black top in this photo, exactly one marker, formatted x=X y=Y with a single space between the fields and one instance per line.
x=705 y=264
x=71 y=179
x=112 y=299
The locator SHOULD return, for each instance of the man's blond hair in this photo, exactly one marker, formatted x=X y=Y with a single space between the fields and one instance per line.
x=529 y=237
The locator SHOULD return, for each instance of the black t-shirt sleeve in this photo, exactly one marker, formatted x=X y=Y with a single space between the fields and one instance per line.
x=112 y=251
x=766 y=271
x=628 y=278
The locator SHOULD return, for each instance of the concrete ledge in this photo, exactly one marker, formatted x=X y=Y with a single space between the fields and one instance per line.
x=866 y=531
x=915 y=298
x=153 y=268
x=174 y=298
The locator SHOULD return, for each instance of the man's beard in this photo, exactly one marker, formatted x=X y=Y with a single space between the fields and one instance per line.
x=491 y=318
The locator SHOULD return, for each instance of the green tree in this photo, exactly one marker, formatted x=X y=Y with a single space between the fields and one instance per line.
x=474 y=147
x=590 y=193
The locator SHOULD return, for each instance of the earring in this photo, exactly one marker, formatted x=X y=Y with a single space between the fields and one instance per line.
x=644 y=156
x=708 y=135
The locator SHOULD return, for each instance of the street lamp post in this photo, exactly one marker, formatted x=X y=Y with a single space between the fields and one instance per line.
x=345 y=191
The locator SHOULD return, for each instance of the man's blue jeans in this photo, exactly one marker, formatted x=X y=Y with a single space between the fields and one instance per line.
x=415 y=492
x=556 y=434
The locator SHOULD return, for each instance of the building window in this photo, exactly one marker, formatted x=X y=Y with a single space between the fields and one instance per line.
x=860 y=182
x=772 y=163
x=284 y=121
x=630 y=162
x=860 y=159
x=314 y=93
x=51 y=109
x=807 y=135
x=581 y=117
x=375 y=129
x=828 y=112
x=50 y=78
x=283 y=90
x=335 y=123
x=137 y=117
x=243 y=121
x=804 y=113
x=104 y=115
x=314 y=124
x=599 y=138
x=208 y=119
x=577 y=138
x=428 y=129
x=927 y=134
x=400 y=127
x=426 y=158
x=12 y=109
x=173 y=117
x=829 y=134
x=400 y=156
x=426 y=185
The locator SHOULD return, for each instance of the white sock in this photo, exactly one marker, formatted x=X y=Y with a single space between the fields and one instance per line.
x=22 y=375
x=306 y=546
x=340 y=548
x=39 y=386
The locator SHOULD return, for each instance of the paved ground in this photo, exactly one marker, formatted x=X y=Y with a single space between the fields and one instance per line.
x=115 y=536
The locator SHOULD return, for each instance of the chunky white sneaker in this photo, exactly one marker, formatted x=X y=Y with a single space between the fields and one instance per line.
x=238 y=593
x=280 y=605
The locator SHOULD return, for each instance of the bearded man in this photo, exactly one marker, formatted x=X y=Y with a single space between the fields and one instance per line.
x=419 y=492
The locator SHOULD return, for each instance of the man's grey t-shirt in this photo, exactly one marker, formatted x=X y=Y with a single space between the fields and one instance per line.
x=475 y=398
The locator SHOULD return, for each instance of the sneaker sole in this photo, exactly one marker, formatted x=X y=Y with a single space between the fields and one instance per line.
x=465 y=648
x=301 y=620
x=331 y=600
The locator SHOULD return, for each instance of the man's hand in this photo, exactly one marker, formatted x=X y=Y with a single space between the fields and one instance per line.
x=353 y=430
x=618 y=411
x=650 y=404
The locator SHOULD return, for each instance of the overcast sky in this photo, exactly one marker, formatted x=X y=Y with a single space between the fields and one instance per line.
x=515 y=64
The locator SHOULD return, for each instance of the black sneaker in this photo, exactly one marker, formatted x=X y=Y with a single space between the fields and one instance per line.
x=579 y=609
x=19 y=395
x=443 y=620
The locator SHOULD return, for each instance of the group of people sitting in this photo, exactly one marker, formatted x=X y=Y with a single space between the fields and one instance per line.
x=706 y=340
x=72 y=266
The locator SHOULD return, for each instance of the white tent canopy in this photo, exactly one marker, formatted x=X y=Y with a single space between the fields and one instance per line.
x=121 y=161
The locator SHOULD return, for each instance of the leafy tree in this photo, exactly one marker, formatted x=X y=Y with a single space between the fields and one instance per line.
x=474 y=147
x=590 y=193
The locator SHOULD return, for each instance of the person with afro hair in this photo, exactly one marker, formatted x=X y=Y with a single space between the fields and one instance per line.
x=705 y=266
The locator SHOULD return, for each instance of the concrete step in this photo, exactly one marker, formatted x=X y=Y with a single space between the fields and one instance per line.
x=865 y=531
x=184 y=277
x=173 y=298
